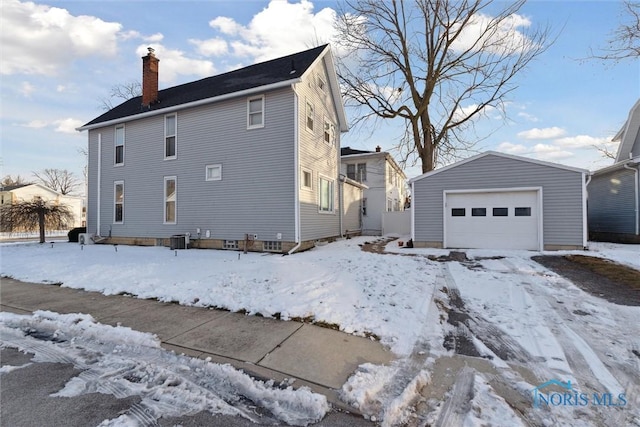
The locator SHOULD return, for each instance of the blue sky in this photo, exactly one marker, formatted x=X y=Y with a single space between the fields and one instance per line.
x=60 y=58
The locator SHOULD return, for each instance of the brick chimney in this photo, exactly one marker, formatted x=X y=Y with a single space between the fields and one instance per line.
x=149 y=78
x=378 y=149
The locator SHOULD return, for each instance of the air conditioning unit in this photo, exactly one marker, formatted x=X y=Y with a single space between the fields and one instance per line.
x=85 y=239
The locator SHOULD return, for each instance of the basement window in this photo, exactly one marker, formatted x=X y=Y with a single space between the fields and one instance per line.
x=230 y=244
x=272 y=246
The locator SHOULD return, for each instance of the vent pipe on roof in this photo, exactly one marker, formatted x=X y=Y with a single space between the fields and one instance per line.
x=378 y=149
x=149 y=78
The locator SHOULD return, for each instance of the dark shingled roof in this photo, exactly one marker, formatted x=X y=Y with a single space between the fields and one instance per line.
x=13 y=187
x=346 y=151
x=262 y=74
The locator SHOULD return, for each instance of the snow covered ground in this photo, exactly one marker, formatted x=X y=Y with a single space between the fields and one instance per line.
x=522 y=324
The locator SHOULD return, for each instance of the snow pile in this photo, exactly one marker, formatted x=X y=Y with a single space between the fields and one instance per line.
x=381 y=393
x=123 y=362
x=337 y=283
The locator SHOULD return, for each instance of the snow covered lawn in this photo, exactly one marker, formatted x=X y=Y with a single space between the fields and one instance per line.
x=515 y=324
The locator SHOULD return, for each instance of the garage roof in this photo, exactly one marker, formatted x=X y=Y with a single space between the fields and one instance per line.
x=497 y=154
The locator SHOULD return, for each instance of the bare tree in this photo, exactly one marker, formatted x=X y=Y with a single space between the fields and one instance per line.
x=60 y=180
x=625 y=40
x=437 y=64
x=36 y=214
x=9 y=180
x=121 y=92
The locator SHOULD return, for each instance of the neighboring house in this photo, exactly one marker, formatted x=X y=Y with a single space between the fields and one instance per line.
x=28 y=192
x=614 y=202
x=385 y=180
x=251 y=155
x=499 y=201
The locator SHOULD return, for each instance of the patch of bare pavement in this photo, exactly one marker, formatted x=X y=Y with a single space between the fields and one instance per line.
x=613 y=285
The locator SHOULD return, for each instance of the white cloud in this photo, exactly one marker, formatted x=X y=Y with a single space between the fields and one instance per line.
x=528 y=117
x=36 y=124
x=509 y=148
x=39 y=39
x=550 y=152
x=544 y=133
x=211 y=47
x=279 y=29
x=584 y=141
x=173 y=63
x=225 y=25
x=463 y=112
x=27 y=89
x=67 y=125
x=506 y=37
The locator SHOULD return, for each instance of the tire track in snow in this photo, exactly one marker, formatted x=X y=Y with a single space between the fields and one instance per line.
x=458 y=404
x=586 y=362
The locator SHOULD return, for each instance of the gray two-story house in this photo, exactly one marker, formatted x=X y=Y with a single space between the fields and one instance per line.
x=250 y=157
x=614 y=199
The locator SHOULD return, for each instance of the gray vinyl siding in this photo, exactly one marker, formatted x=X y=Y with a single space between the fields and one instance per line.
x=318 y=157
x=562 y=196
x=255 y=195
x=612 y=202
x=635 y=150
x=351 y=196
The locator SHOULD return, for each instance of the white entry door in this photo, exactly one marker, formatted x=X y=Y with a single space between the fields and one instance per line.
x=493 y=219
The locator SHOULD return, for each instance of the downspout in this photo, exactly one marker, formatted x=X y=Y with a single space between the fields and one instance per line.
x=635 y=171
x=99 y=182
x=340 y=201
x=585 y=222
x=296 y=173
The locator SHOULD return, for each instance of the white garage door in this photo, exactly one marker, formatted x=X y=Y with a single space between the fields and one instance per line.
x=492 y=220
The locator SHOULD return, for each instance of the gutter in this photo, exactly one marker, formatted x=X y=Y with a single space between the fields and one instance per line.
x=296 y=173
x=245 y=92
x=637 y=195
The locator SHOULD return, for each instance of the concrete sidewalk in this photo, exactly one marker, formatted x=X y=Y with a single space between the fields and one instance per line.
x=319 y=358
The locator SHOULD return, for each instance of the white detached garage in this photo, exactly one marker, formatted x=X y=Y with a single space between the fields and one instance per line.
x=500 y=201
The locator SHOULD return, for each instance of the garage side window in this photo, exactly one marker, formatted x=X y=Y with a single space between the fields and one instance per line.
x=458 y=212
x=500 y=211
x=478 y=211
x=523 y=212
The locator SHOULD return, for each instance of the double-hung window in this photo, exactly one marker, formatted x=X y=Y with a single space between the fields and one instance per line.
x=119 y=145
x=326 y=194
x=329 y=132
x=170 y=134
x=118 y=202
x=255 y=112
x=170 y=199
x=310 y=116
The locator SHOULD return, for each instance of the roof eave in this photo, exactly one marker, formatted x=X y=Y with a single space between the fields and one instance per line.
x=504 y=155
x=257 y=89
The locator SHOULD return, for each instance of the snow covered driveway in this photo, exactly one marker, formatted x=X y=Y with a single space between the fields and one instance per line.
x=498 y=339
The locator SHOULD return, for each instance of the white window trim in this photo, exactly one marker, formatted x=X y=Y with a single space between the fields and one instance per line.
x=164 y=200
x=175 y=135
x=310 y=108
x=253 y=98
x=321 y=83
x=115 y=141
x=115 y=184
x=302 y=186
x=206 y=172
x=333 y=195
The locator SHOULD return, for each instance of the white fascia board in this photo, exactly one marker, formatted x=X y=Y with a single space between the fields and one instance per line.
x=245 y=92
x=616 y=166
x=498 y=154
